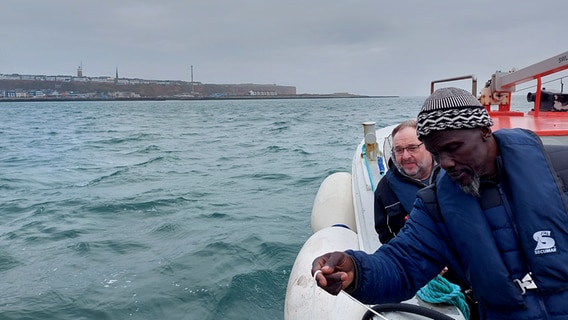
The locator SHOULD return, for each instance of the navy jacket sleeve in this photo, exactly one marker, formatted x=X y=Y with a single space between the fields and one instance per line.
x=397 y=270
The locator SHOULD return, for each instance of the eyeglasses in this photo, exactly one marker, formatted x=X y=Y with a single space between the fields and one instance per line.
x=413 y=148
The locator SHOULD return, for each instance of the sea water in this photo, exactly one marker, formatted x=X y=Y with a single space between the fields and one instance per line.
x=166 y=209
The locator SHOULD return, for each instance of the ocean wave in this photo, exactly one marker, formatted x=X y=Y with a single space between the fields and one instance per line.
x=129 y=139
x=121 y=247
x=8 y=262
x=149 y=149
x=106 y=177
x=132 y=205
x=263 y=176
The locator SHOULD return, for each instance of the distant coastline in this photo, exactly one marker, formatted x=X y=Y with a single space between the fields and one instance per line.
x=300 y=96
x=16 y=87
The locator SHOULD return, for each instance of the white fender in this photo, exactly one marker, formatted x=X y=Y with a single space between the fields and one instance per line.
x=304 y=299
x=334 y=203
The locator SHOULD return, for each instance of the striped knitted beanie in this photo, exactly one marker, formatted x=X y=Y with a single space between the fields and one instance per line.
x=451 y=108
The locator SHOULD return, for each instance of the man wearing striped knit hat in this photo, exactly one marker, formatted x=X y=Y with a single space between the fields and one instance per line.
x=497 y=215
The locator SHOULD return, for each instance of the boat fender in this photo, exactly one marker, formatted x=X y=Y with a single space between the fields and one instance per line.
x=334 y=203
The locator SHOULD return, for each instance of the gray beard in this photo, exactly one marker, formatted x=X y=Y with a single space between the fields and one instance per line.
x=473 y=187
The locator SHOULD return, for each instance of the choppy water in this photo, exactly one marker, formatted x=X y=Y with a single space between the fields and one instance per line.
x=166 y=210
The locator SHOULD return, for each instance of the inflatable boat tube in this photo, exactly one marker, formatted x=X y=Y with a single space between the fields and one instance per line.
x=304 y=299
x=333 y=204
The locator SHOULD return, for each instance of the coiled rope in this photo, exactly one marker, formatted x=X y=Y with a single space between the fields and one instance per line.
x=440 y=290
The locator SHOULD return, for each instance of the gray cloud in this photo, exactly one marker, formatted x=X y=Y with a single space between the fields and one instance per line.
x=365 y=47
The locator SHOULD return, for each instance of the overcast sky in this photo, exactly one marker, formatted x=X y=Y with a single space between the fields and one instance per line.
x=370 y=47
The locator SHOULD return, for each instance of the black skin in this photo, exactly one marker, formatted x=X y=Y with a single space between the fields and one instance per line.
x=337 y=271
x=464 y=152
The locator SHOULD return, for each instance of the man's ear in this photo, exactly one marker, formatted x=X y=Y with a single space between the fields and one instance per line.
x=486 y=133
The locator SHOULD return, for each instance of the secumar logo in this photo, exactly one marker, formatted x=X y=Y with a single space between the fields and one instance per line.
x=544 y=243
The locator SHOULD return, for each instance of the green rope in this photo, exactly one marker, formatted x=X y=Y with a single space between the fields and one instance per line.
x=440 y=290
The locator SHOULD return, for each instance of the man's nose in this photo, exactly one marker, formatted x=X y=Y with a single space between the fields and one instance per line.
x=445 y=161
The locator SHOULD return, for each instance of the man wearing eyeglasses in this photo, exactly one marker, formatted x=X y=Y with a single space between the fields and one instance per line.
x=411 y=167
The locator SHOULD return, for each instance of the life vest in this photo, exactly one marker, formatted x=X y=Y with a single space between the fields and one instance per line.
x=535 y=235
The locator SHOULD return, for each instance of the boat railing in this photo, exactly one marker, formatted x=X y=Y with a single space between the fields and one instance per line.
x=471 y=76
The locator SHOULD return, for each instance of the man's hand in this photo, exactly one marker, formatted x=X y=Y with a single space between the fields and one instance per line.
x=334 y=271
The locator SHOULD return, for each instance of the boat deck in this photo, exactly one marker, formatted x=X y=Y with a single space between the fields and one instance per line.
x=552 y=127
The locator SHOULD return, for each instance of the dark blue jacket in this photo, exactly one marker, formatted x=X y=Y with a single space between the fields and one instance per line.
x=519 y=225
x=394 y=198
